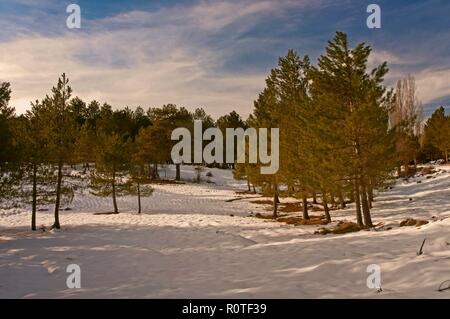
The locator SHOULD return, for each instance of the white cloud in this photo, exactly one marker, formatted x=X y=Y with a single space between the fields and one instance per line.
x=140 y=58
x=433 y=84
x=174 y=55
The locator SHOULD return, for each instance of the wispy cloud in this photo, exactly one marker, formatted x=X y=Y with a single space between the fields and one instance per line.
x=214 y=54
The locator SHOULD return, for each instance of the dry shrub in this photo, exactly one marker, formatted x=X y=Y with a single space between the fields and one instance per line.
x=413 y=222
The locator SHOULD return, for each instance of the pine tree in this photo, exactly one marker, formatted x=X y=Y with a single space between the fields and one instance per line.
x=264 y=116
x=139 y=176
x=6 y=114
x=60 y=132
x=157 y=136
x=231 y=120
x=9 y=176
x=351 y=126
x=437 y=131
x=405 y=117
x=111 y=160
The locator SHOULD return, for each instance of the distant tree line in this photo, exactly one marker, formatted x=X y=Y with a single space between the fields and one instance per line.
x=342 y=135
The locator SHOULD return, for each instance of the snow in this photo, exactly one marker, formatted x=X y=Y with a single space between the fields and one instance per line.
x=191 y=243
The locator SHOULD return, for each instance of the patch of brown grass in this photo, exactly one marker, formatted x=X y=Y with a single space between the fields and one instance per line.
x=293 y=207
x=413 y=222
x=342 y=228
x=262 y=202
x=297 y=220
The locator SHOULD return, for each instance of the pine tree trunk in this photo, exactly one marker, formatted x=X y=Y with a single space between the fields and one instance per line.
x=305 y=206
x=248 y=184
x=139 y=197
x=365 y=205
x=332 y=201
x=56 y=224
x=34 y=204
x=275 y=201
x=325 y=207
x=370 y=195
x=113 y=185
x=359 y=220
x=314 y=196
x=341 y=199
x=178 y=172
x=155 y=171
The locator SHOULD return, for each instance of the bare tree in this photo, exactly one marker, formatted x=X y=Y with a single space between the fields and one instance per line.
x=406 y=118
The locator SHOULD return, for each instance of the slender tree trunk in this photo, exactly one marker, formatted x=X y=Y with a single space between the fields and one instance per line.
x=399 y=171
x=254 y=188
x=139 y=197
x=113 y=184
x=341 y=198
x=34 y=204
x=275 y=201
x=155 y=174
x=248 y=184
x=178 y=172
x=325 y=207
x=370 y=195
x=56 y=224
x=365 y=205
x=359 y=220
x=305 y=206
x=332 y=201
x=314 y=196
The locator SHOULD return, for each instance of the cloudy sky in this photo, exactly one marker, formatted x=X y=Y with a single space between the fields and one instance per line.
x=210 y=54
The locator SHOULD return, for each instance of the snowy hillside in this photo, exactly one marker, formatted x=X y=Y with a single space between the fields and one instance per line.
x=193 y=242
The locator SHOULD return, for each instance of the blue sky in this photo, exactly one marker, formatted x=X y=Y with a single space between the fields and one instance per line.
x=211 y=54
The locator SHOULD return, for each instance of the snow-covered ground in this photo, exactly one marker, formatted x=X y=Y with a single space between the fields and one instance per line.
x=193 y=243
